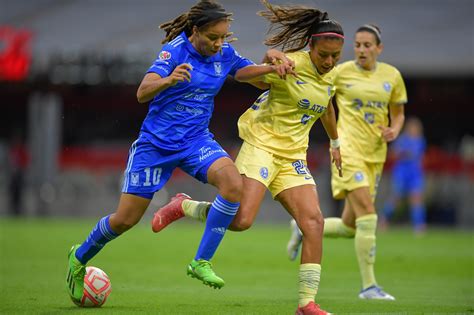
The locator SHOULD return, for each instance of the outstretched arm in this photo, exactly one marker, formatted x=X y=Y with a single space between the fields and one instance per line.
x=328 y=120
x=275 y=56
x=253 y=73
x=273 y=61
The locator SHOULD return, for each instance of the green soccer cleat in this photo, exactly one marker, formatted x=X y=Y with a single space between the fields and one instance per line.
x=202 y=269
x=75 y=276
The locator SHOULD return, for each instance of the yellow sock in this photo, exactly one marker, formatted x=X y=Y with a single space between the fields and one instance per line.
x=365 y=248
x=334 y=227
x=196 y=209
x=308 y=283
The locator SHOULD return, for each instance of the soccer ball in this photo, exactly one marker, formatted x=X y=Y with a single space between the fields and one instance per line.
x=97 y=288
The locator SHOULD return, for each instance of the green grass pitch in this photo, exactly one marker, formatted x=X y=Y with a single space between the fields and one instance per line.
x=428 y=275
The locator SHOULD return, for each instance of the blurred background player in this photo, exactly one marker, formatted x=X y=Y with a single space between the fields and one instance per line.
x=407 y=175
x=275 y=130
x=181 y=85
x=368 y=93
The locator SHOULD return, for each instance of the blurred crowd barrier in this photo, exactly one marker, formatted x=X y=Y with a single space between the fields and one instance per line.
x=89 y=180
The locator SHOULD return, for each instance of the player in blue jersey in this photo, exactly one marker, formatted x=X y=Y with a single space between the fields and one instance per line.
x=407 y=174
x=181 y=85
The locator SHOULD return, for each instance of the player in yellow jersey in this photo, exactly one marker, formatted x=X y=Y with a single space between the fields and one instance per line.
x=275 y=130
x=368 y=93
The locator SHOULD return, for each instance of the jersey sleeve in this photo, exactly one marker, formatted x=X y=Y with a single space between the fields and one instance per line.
x=399 y=94
x=271 y=78
x=238 y=61
x=165 y=62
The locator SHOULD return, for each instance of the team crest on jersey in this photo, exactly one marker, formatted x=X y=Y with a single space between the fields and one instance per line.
x=264 y=172
x=164 y=55
x=358 y=176
x=135 y=179
x=304 y=103
x=387 y=87
x=218 y=68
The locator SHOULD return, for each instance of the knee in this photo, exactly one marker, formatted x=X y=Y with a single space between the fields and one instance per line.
x=232 y=189
x=312 y=223
x=121 y=224
x=240 y=224
x=316 y=219
x=416 y=200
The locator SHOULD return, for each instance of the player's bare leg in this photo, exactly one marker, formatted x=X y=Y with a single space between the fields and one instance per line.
x=252 y=197
x=302 y=202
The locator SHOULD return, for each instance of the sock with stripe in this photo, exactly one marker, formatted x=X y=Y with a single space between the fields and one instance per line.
x=220 y=216
x=365 y=248
x=100 y=235
x=308 y=277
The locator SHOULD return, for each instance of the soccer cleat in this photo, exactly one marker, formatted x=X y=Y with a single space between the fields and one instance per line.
x=293 y=246
x=169 y=213
x=375 y=293
x=202 y=269
x=311 y=309
x=75 y=275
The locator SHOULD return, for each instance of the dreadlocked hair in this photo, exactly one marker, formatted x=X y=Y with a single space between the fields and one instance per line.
x=294 y=25
x=196 y=15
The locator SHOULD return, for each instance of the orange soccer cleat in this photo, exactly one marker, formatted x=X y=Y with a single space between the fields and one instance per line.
x=169 y=213
x=311 y=309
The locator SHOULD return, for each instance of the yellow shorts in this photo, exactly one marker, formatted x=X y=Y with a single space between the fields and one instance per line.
x=356 y=174
x=276 y=173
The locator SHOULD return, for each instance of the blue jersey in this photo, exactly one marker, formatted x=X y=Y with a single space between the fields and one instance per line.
x=180 y=115
x=409 y=152
x=408 y=171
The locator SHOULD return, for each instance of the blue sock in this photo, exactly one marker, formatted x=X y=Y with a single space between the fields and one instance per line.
x=220 y=216
x=100 y=235
x=418 y=216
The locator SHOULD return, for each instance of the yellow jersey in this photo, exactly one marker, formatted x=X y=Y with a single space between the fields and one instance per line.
x=280 y=120
x=362 y=99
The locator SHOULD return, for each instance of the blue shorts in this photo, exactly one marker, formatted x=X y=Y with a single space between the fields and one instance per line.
x=407 y=181
x=149 y=167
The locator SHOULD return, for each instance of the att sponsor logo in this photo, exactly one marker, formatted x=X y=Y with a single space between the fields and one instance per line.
x=306 y=104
